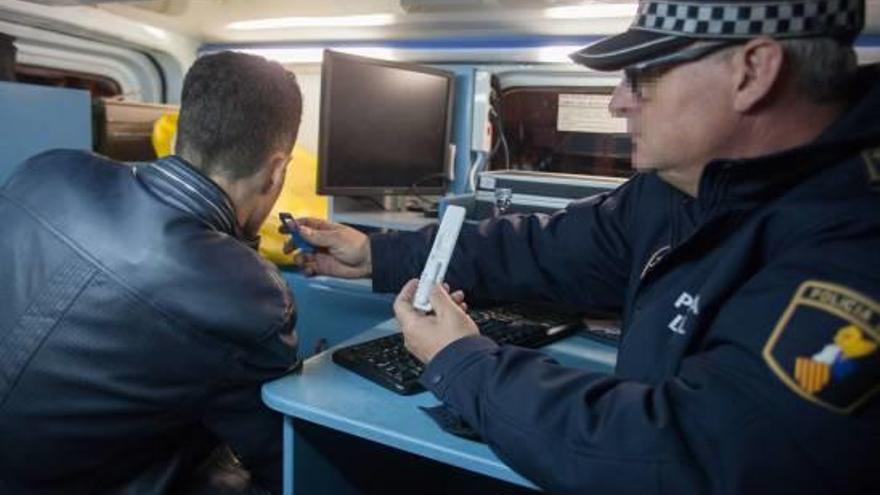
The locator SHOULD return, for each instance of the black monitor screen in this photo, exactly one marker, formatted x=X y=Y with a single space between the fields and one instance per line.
x=384 y=126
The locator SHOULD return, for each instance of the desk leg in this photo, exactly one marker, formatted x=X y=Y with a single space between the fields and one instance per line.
x=319 y=460
x=288 y=456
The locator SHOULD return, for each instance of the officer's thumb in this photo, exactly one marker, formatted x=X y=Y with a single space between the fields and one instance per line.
x=314 y=223
x=321 y=238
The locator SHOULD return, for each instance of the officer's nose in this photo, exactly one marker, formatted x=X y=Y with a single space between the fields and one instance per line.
x=623 y=101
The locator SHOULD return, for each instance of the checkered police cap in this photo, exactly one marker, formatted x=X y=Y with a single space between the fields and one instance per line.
x=662 y=27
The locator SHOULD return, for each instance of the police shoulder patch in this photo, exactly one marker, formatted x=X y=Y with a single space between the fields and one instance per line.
x=825 y=346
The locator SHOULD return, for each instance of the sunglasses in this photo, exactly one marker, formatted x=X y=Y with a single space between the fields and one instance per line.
x=636 y=76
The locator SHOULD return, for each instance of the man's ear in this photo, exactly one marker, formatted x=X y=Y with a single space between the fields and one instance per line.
x=757 y=71
x=277 y=170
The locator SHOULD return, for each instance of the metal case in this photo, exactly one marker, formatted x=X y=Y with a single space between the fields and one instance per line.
x=518 y=191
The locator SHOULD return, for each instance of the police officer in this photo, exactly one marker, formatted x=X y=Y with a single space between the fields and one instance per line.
x=742 y=257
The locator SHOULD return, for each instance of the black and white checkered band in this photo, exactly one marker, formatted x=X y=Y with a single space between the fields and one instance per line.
x=779 y=19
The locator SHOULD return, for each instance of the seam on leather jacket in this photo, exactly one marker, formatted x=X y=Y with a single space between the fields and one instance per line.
x=21 y=341
x=89 y=258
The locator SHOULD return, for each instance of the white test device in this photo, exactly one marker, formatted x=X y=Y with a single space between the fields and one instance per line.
x=441 y=251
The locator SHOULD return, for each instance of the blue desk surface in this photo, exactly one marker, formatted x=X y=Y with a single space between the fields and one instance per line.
x=331 y=396
x=332 y=310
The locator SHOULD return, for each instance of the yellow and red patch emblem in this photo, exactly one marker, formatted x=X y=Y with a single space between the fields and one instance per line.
x=826 y=346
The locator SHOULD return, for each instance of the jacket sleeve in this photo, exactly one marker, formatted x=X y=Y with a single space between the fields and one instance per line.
x=578 y=256
x=723 y=422
x=234 y=410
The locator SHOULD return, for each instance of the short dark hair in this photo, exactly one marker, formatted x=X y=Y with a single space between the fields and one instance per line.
x=236 y=109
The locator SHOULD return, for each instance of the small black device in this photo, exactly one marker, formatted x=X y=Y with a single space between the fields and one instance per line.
x=386 y=361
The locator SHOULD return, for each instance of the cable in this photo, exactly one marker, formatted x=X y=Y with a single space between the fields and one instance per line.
x=413 y=189
x=476 y=167
x=495 y=115
x=501 y=137
x=371 y=200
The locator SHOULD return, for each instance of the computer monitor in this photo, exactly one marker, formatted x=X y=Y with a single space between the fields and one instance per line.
x=384 y=127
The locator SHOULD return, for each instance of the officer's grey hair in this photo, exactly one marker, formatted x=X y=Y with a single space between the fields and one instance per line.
x=823 y=68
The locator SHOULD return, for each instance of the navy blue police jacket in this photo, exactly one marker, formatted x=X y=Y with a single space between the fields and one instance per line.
x=749 y=357
x=136 y=327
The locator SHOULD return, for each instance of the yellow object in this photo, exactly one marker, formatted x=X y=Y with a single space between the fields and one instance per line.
x=852 y=342
x=812 y=376
x=297 y=196
x=164 y=132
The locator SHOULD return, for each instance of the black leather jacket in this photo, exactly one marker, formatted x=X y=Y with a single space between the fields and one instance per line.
x=135 y=329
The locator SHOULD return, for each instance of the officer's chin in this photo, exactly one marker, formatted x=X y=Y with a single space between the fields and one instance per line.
x=640 y=164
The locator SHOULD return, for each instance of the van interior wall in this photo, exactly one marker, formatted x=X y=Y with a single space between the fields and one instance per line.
x=309 y=78
x=171 y=52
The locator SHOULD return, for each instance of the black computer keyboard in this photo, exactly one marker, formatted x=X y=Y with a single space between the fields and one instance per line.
x=387 y=362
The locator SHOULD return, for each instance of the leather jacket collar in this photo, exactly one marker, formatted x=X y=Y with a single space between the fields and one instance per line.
x=173 y=180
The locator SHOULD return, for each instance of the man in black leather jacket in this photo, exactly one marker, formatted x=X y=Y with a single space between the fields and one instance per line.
x=137 y=321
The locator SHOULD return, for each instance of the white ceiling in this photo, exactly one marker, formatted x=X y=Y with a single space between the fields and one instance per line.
x=208 y=21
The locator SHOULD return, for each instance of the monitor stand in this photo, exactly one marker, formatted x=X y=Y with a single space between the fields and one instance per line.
x=384 y=212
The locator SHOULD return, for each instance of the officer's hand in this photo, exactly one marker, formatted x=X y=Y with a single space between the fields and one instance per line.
x=427 y=334
x=342 y=251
